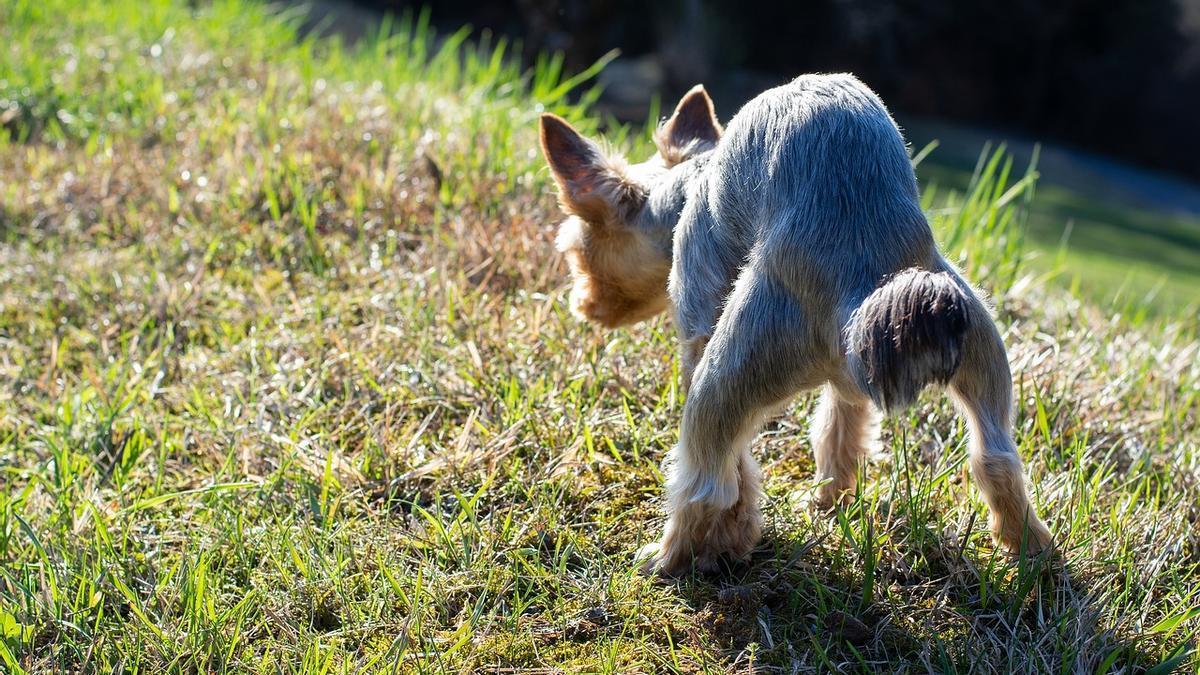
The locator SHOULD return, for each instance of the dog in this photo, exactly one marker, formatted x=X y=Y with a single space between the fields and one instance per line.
x=793 y=250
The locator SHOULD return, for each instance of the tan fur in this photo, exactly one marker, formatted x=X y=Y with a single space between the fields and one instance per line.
x=675 y=154
x=983 y=392
x=699 y=535
x=842 y=433
x=618 y=276
x=592 y=185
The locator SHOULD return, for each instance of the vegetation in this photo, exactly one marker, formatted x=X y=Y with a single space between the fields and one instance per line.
x=1106 y=250
x=289 y=386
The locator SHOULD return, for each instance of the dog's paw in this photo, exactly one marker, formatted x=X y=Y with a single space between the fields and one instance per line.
x=654 y=561
x=1039 y=541
x=648 y=560
x=1030 y=539
x=827 y=499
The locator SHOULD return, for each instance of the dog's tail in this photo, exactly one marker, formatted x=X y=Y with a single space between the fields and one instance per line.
x=908 y=334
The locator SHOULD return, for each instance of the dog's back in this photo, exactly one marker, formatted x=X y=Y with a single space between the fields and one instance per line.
x=814 y=179
x=812 y=187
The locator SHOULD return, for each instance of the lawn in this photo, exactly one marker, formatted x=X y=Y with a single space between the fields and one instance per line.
x=288 y=384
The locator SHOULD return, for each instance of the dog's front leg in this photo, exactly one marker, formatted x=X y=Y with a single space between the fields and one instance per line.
x=752 y=363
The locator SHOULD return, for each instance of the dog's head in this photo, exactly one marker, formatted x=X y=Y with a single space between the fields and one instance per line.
x=619 y=261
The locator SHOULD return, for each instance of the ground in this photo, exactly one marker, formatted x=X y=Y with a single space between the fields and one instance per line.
x=289 y=385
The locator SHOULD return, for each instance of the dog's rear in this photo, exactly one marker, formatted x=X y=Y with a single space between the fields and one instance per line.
x=906 y=335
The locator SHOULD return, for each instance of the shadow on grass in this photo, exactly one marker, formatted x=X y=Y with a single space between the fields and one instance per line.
x=799 y=604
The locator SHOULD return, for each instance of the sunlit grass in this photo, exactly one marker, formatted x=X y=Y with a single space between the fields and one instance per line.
x=1115 y=255
x=289 y=385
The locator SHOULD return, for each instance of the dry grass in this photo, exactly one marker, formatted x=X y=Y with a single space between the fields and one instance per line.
x=289 y=385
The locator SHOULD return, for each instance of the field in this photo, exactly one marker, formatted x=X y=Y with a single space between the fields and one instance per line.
x=288 y=385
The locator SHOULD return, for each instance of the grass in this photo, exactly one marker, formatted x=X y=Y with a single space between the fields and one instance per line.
x=289 y=386
x=1115 y=254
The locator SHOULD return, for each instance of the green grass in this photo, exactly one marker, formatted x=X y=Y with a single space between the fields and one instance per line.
x=1116 y=255
x=288 y=385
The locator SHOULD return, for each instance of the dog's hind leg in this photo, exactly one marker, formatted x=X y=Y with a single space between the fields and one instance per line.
x=842 y=431
x=982 y=387
x=759 y=355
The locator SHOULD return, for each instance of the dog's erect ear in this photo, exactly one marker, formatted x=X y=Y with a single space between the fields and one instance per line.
x=590 y=185
x=693 y=127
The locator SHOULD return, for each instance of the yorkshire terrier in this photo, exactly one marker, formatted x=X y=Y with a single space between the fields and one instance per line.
x=792 y=248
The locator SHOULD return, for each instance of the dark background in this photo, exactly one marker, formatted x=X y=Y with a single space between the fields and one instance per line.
x=1120 y=78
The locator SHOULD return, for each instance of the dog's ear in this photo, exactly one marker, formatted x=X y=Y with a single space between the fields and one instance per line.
x=693 y=127
x=590 y=184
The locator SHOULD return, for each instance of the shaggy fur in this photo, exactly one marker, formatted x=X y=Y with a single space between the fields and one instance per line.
x=906 y=335
x=794 y=252
x=842 y=433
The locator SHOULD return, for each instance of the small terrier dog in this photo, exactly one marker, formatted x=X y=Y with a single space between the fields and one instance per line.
x=794 y=252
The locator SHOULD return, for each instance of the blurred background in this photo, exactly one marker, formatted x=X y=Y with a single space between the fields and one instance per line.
x=1110 y=91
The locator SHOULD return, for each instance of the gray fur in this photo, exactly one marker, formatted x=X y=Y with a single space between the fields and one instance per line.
x=810 y=187
x=808 y=203
x=907 y=334
x=801 y=257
